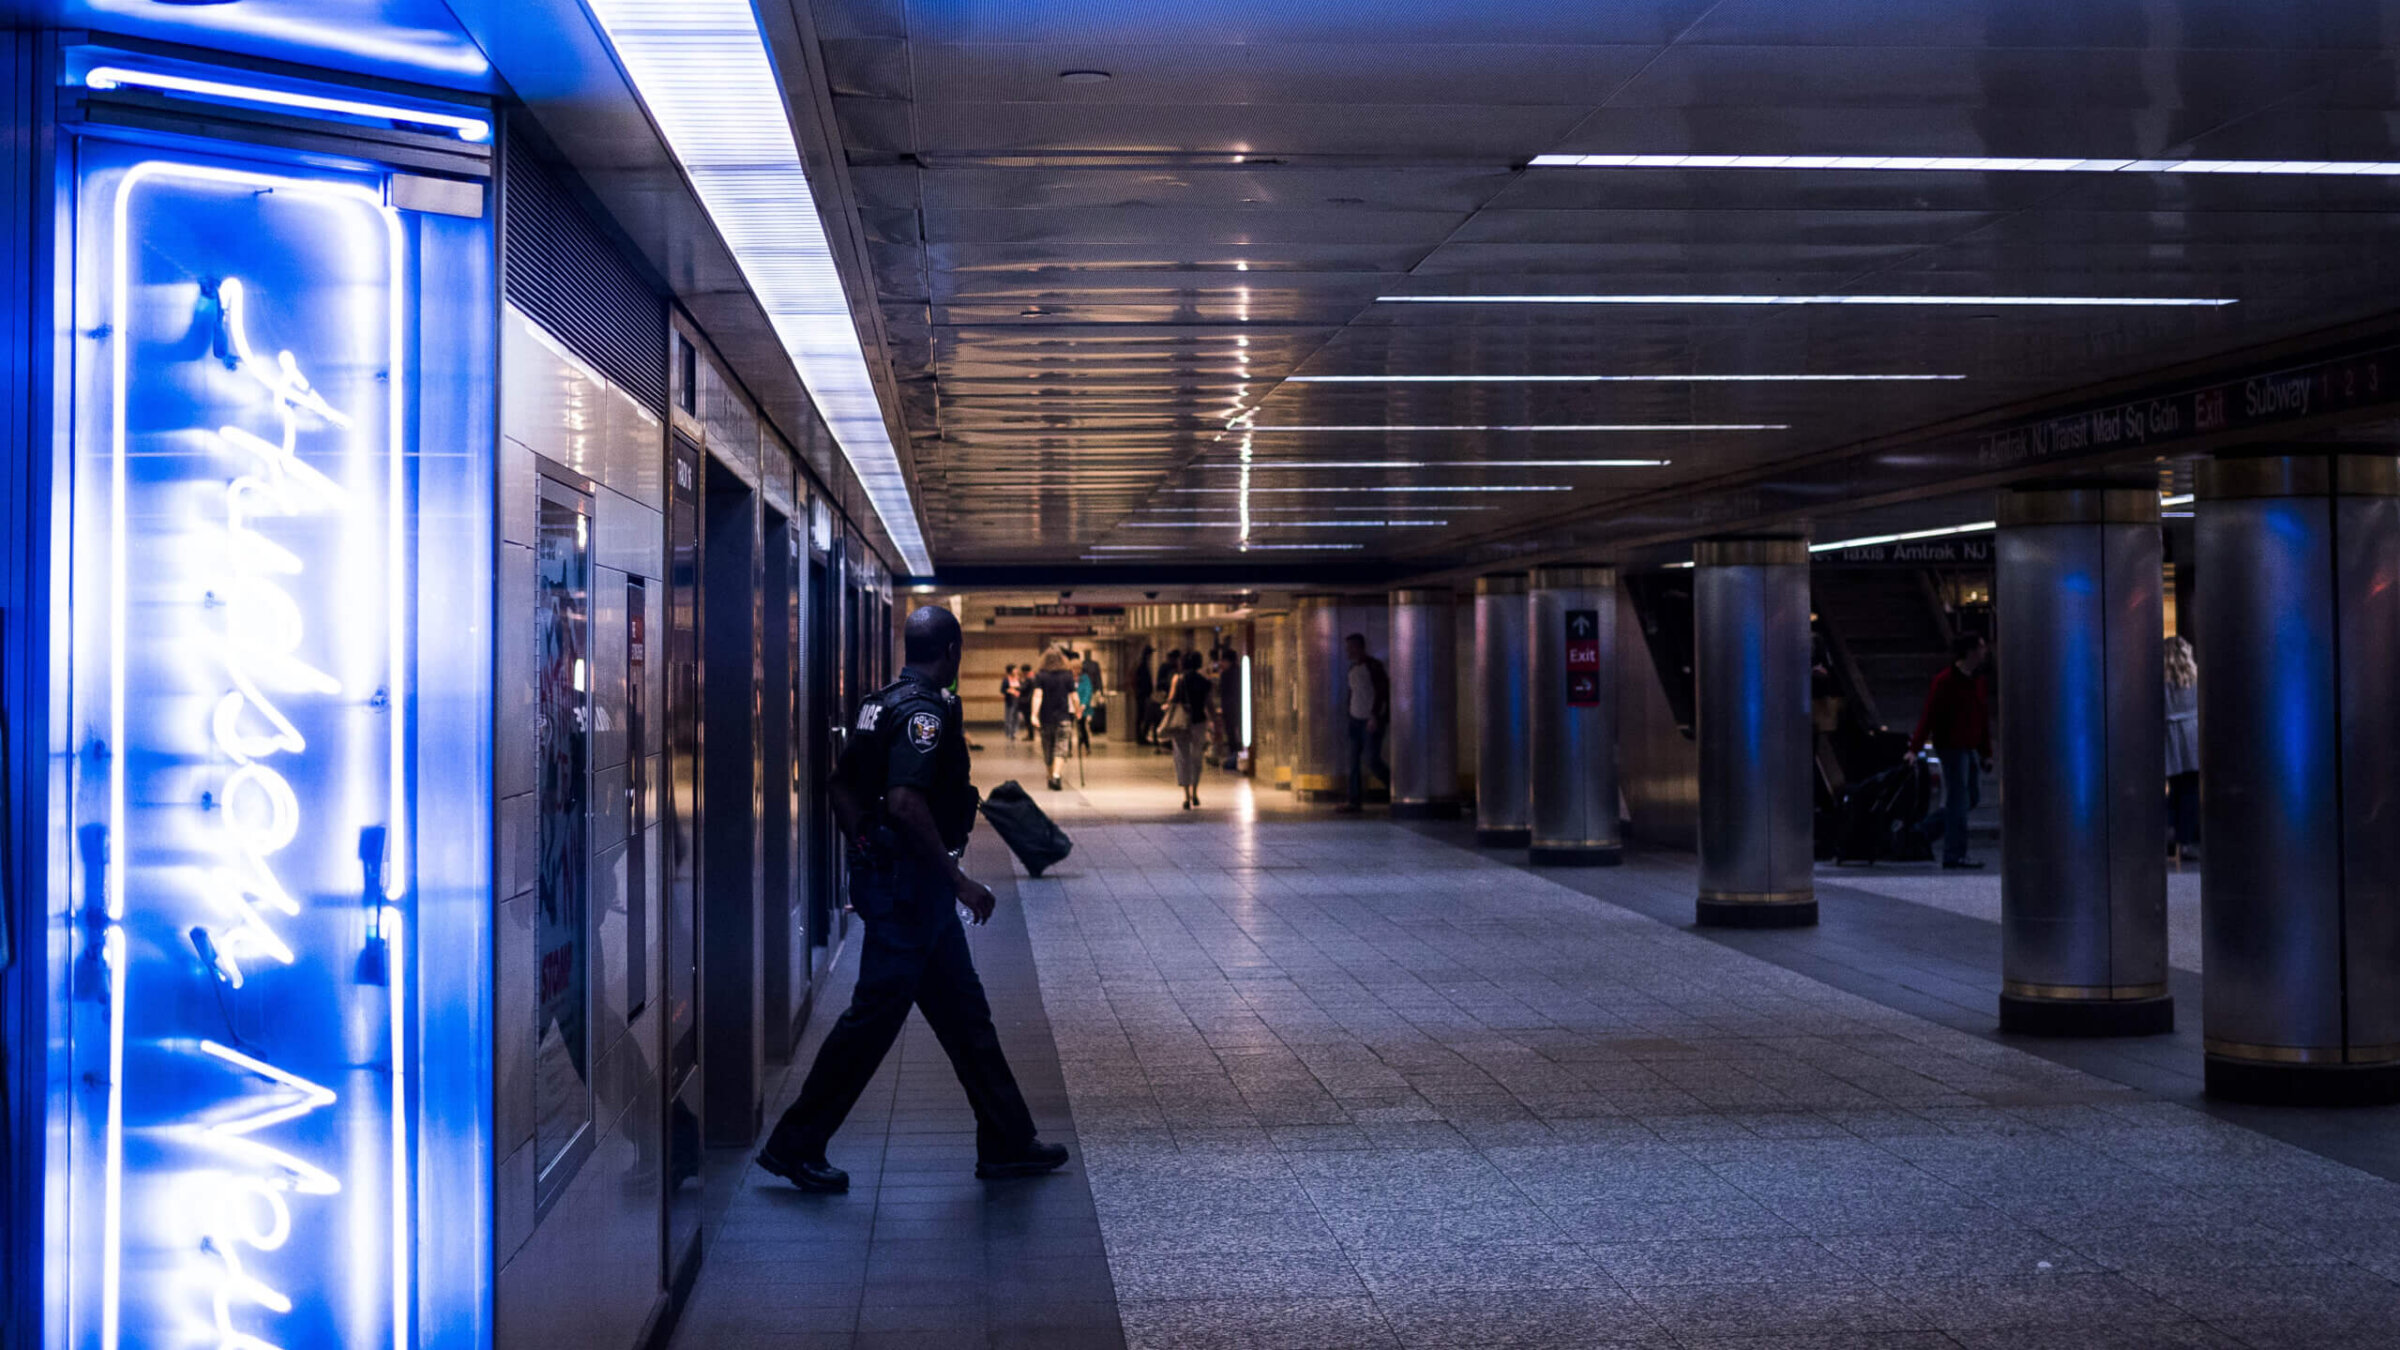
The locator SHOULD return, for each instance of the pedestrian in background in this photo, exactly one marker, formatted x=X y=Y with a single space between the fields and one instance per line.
x=1957 y=726
x=1054 y=709
x=1143 y=687
x=1186 y=725
x=1368 y=701
x=2183 y=749
x=1087 y=692
x=1012 y=700
x=1172 y=661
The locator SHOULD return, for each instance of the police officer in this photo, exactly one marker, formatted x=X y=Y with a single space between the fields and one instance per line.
x=902 y=797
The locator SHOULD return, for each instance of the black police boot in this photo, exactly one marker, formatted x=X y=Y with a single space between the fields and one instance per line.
x=1037 y=1158
x=814 y=1175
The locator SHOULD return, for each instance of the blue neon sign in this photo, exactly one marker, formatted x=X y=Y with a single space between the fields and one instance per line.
x=243 y=610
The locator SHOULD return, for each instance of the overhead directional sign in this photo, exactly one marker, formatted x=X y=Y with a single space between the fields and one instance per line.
x=1583 y=657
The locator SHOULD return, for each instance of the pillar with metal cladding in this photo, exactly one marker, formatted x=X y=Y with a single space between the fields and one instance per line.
x=2299 y=600
x=1504 y=729
x=1424 y=672
x=1750 y=681
x=2083 y=894
x=1572 y=716
x=1321 y=750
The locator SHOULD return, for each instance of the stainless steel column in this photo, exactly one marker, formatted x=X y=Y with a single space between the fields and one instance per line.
x=1504 y=729
x=1424 y=733
x=1750 y=677
x=1286 y=707
x=2083 y=892
x=1321 y=754
x=2299 y=600
x=1573 y=732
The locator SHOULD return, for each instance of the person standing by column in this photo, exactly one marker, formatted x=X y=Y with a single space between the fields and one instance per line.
x=1369 y=704
x=1957 y=724
x=906 y=805
x=2183 y=749
x=1054 y=709
x=1143 y=687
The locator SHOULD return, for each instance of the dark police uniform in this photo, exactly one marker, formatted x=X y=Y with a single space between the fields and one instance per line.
x=908 y=734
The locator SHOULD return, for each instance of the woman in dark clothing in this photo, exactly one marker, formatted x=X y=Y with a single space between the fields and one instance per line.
x=1187 y=726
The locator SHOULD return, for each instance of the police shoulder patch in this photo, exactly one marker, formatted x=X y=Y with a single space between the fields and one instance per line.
x=924 y=729
x=867 y=713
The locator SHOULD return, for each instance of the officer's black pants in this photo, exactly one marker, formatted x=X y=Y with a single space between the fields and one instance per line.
x=923 y=963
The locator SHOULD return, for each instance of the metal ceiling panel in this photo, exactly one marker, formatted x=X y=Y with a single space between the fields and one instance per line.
x=1091 y=286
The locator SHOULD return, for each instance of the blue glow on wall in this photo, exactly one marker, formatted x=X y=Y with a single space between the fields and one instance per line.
x=241 y=1154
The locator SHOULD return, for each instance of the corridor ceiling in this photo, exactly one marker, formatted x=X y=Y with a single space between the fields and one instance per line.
x=1105 y=237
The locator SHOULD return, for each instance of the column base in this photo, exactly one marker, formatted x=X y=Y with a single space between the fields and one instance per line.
x=1599 y=856
x=2268 y=1084
x=1517 y=837
x=1424 y=810
x=2087 y=1016
x=1797 y=912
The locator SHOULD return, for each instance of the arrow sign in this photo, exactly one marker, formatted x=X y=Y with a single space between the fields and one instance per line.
x=1583 y=623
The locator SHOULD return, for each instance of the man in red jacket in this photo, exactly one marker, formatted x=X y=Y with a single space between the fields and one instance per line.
x=1957 y=726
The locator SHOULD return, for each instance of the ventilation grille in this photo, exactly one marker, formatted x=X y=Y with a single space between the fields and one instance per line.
x=562 y=271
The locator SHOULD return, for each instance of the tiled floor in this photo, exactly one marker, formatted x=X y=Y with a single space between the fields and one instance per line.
x=1343 y=1083
x=1340 y=1083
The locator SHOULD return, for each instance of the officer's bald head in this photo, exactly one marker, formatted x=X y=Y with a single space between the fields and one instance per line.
x=932 y=639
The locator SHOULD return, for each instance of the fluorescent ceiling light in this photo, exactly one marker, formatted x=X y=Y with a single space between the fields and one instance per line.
x=701 y=68
x=1979 y=164
x=1285 y=510
x=1264 y=464
x=1400 y=488
x=1972 y=301
x=1131 y=548
x=1246 y=427
x=2183 y=500
x=1281 y=524
x=1602 y=379
x=120 y=77
x=1301 y=548
x=1903 y=537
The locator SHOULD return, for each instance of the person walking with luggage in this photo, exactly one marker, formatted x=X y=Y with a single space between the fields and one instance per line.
x=1186 y=726
x=1368 y=701
x=1054 y=711
x=2183 y=749
x=905 y=803
x=1957 y=726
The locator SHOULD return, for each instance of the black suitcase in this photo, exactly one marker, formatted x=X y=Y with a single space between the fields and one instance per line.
x=1098 y=718
x=1037 y=842
x=1879 y=816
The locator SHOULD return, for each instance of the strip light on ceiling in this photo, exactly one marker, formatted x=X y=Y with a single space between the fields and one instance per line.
x=2309 y=168
x=1392 y=487
x=1238 y=524
x=1864 y=541
x=1266 y=464
x=1546 y=426
x=702 y=69
x=1968 y=301
x=1605 y=379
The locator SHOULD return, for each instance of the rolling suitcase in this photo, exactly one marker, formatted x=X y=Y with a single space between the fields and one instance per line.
x=1031 y=835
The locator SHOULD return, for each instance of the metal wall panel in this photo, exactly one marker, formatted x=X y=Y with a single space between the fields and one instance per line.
x=1424 y=726
x=1503 y=776
x=1573 y=762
